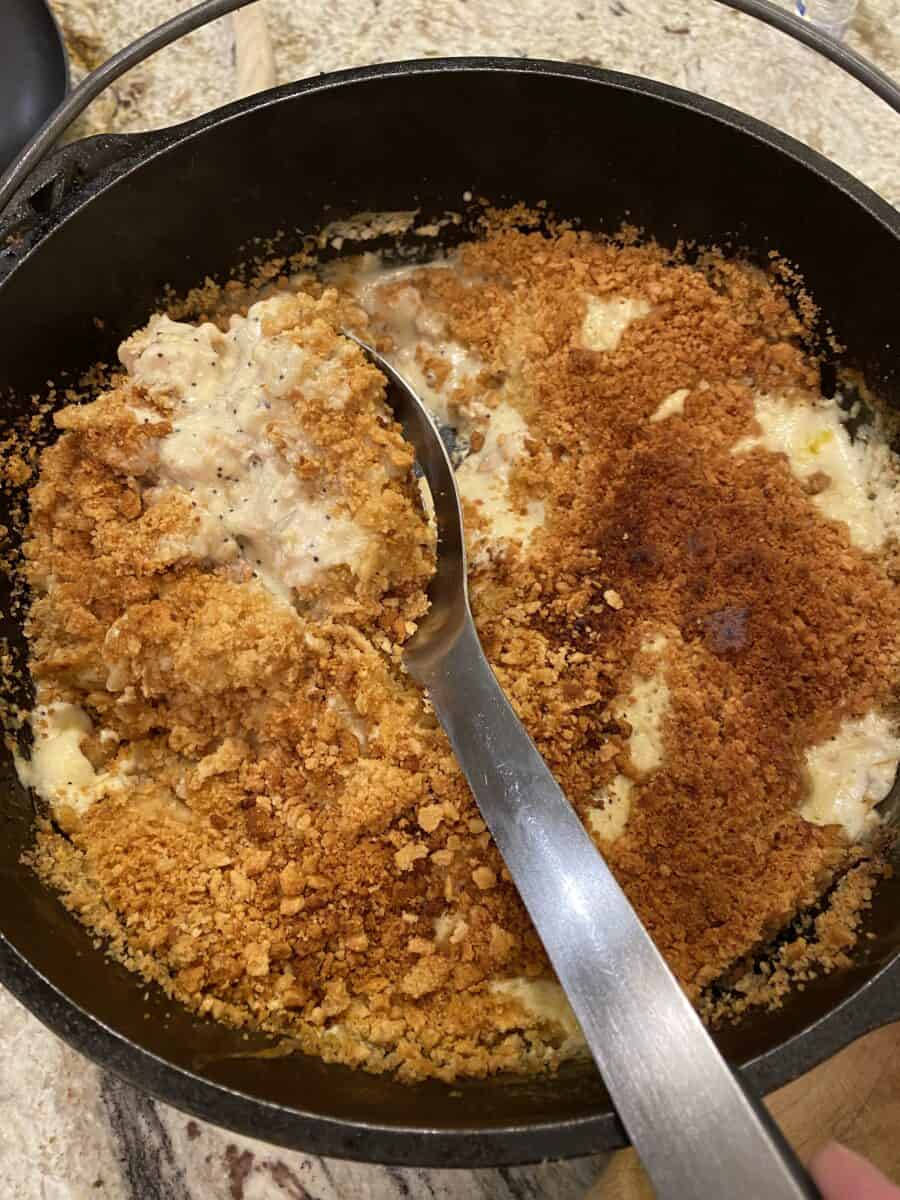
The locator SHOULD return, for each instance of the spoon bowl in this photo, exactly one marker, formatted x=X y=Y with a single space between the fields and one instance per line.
x=448 y=592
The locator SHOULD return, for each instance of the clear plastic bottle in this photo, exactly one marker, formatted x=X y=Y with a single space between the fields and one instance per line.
x=831 y=16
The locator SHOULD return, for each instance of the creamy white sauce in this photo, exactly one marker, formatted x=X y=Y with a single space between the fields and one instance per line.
x=236 y=440
x=542 y=999
x=851 y=773
x=644 y=706
x=606 y=319
x=862 y=484
x=672 y=405
x=58 y=770
x=609 y=819
x=356 y=724
x=483 y=481
x=418 y=332
x=450 y=927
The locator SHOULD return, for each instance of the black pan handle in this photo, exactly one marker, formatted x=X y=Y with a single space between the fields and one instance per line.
x=209 y=10
x=65 y=172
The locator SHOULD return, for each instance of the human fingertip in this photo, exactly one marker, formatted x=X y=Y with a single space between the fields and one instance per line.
x=840 y=1174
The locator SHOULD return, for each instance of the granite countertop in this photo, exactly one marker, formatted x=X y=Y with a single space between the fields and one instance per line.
x=69 y=1131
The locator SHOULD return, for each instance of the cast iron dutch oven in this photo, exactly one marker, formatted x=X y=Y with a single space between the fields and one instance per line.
x=114 y=220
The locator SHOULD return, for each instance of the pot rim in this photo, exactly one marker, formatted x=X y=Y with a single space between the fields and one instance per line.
x=873 y=1003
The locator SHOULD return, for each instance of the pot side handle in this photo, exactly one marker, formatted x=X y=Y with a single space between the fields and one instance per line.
x=63 y=173
x=28 y=159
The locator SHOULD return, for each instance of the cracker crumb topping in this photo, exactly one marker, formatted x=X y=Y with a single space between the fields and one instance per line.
x=294 y=848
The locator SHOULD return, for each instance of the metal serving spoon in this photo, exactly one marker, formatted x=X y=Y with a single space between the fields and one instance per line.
x=699 y=1133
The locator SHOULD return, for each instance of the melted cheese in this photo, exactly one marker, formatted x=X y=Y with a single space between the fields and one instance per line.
x=607 y=318
x=483 y=479
x=235 y=441
x=543 y=1000
x=859 y=482
x=450 y=927
x=644 y=707
x=851 y=773
x=609 y=818
x=58 y=770
x=671 y=406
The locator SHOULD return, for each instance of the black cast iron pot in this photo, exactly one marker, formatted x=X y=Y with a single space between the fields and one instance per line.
x=113 y=220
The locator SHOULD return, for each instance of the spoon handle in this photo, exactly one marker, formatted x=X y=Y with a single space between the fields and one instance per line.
x=699 y=1133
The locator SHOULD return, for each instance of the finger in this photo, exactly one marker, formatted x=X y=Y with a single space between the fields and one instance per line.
x=842 y=1175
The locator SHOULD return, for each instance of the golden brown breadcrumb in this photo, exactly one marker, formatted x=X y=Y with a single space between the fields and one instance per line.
x=297 y=850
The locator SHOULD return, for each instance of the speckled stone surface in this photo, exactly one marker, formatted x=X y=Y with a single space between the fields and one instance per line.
x=695 y=44
x=67 y=1130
